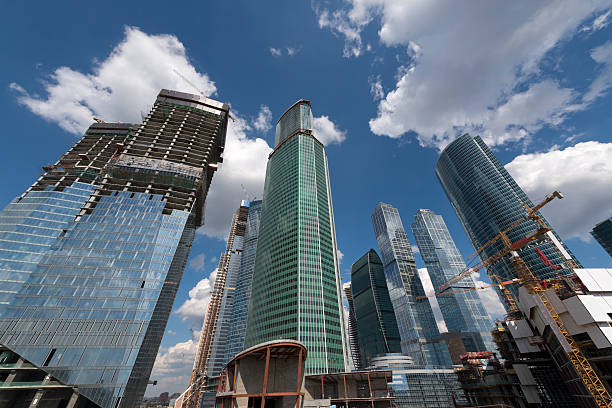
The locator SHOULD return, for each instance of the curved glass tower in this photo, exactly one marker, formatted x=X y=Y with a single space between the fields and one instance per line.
x=462 y=312
x=296 y=281
x=487 y=200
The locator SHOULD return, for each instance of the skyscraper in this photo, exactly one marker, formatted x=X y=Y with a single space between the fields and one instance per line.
x=296 y=281
x=602 y=232
x=462 y=312
x=242 y=297
x=98 y=245
x=210 y=356
x=376 y=324
x=487 y=200
x=420 y=337
x=352 y=333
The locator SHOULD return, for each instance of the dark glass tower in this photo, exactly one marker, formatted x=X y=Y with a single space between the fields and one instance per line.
x=97 y=247
x=352 y=333
x=487 y=200
x=603 y=234
x=420 y=337
x=462 y=312
x=296 y=281
x=376 y=323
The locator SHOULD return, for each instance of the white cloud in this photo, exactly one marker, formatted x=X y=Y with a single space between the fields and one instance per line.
x=470 y=66
x=276 y=52
x=173 y=367
x=197 y=262
x=193 y=310
x=416 y=250
x=433 y=302
x=340 y=256
x=120 y=86
x=583 y=173
x=490 y=299
x=326 y=131
x=263 y=122
x=291 y=51
x=599 y=22
x=125 y=84
x=603 y=82
x=376 y=88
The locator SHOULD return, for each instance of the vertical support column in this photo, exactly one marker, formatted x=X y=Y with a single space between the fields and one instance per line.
x=370 y=387
x=322 y=388
x=235 y=373
x=264 y=391
x=345 y=393
x=299 y=380
x=387 y=385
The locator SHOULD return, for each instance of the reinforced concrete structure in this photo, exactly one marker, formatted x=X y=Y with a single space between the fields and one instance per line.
x=602 y=233
x=210 y=356
x=353 y=334
x=487 y=200
x=375 y=318
x=463 y=312
x=419 y=334
x=296 y=282
x=93 y=252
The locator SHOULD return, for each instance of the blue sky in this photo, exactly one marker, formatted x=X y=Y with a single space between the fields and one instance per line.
x=390 y=82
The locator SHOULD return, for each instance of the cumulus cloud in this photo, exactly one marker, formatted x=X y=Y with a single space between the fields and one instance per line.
x=120 y=86
x=469 y=67
x=194 y=308
x=173 y=367
x=490 y=298
x=197 y=262
x=327 y=132
x=583 y=173
x=263 y=122
x=276 y=52
x=433 y=302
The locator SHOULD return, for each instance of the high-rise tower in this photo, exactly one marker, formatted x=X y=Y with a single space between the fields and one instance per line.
x=420 y=337
x=462 y=312
x=376 y=324
x=352 y=333
x=296 y=281
x=98 y=245
x=487 y=200
x=602 y=233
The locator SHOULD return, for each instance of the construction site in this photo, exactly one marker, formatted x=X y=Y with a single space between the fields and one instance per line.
x=555 y=344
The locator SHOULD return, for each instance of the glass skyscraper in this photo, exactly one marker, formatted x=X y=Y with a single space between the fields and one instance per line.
x=376 y=324
x=420 y=337
x=353 y=335
x=462 y=312
x=602 y=232
x=487 y=200
x=242 y=296
x=296 y=281
x=93 y=252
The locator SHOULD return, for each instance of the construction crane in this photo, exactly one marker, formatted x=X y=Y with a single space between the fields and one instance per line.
x=581 y=365
x=194 y=86
x=499 y=284
x=99 y=120
x=531 y=213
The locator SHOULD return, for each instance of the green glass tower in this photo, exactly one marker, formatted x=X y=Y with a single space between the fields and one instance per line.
x=296 y=281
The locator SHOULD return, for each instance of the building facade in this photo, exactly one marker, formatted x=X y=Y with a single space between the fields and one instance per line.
x=487 y=200
x=242 y=297
x=375 y=318
x=462 y=312
x=296 y=282
x=98 y=244
x=602 y=233
x=352 y=333
x=420 y=337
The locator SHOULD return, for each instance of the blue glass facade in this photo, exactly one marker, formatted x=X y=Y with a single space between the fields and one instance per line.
x=95 y=250
x=603 y=234
x=242 y=297
x=462 y=312
x=420 y=337
x=487 y=200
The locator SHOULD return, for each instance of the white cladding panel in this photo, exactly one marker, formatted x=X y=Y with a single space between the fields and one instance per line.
x=596 y=279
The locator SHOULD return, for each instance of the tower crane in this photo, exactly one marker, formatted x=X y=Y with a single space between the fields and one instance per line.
x=197 y=89
x=534 y=287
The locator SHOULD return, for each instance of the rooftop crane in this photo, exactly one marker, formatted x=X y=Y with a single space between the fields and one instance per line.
x=197 y=89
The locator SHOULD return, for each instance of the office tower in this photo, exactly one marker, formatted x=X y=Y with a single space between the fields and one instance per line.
x=210 y=355
x=376 y=323
x=603 y=234
x=242 y=296
x=296 y=281
x=353 y=335
x=462 y=312
x=487 y=200
x=419 y=334
x=110 y=226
